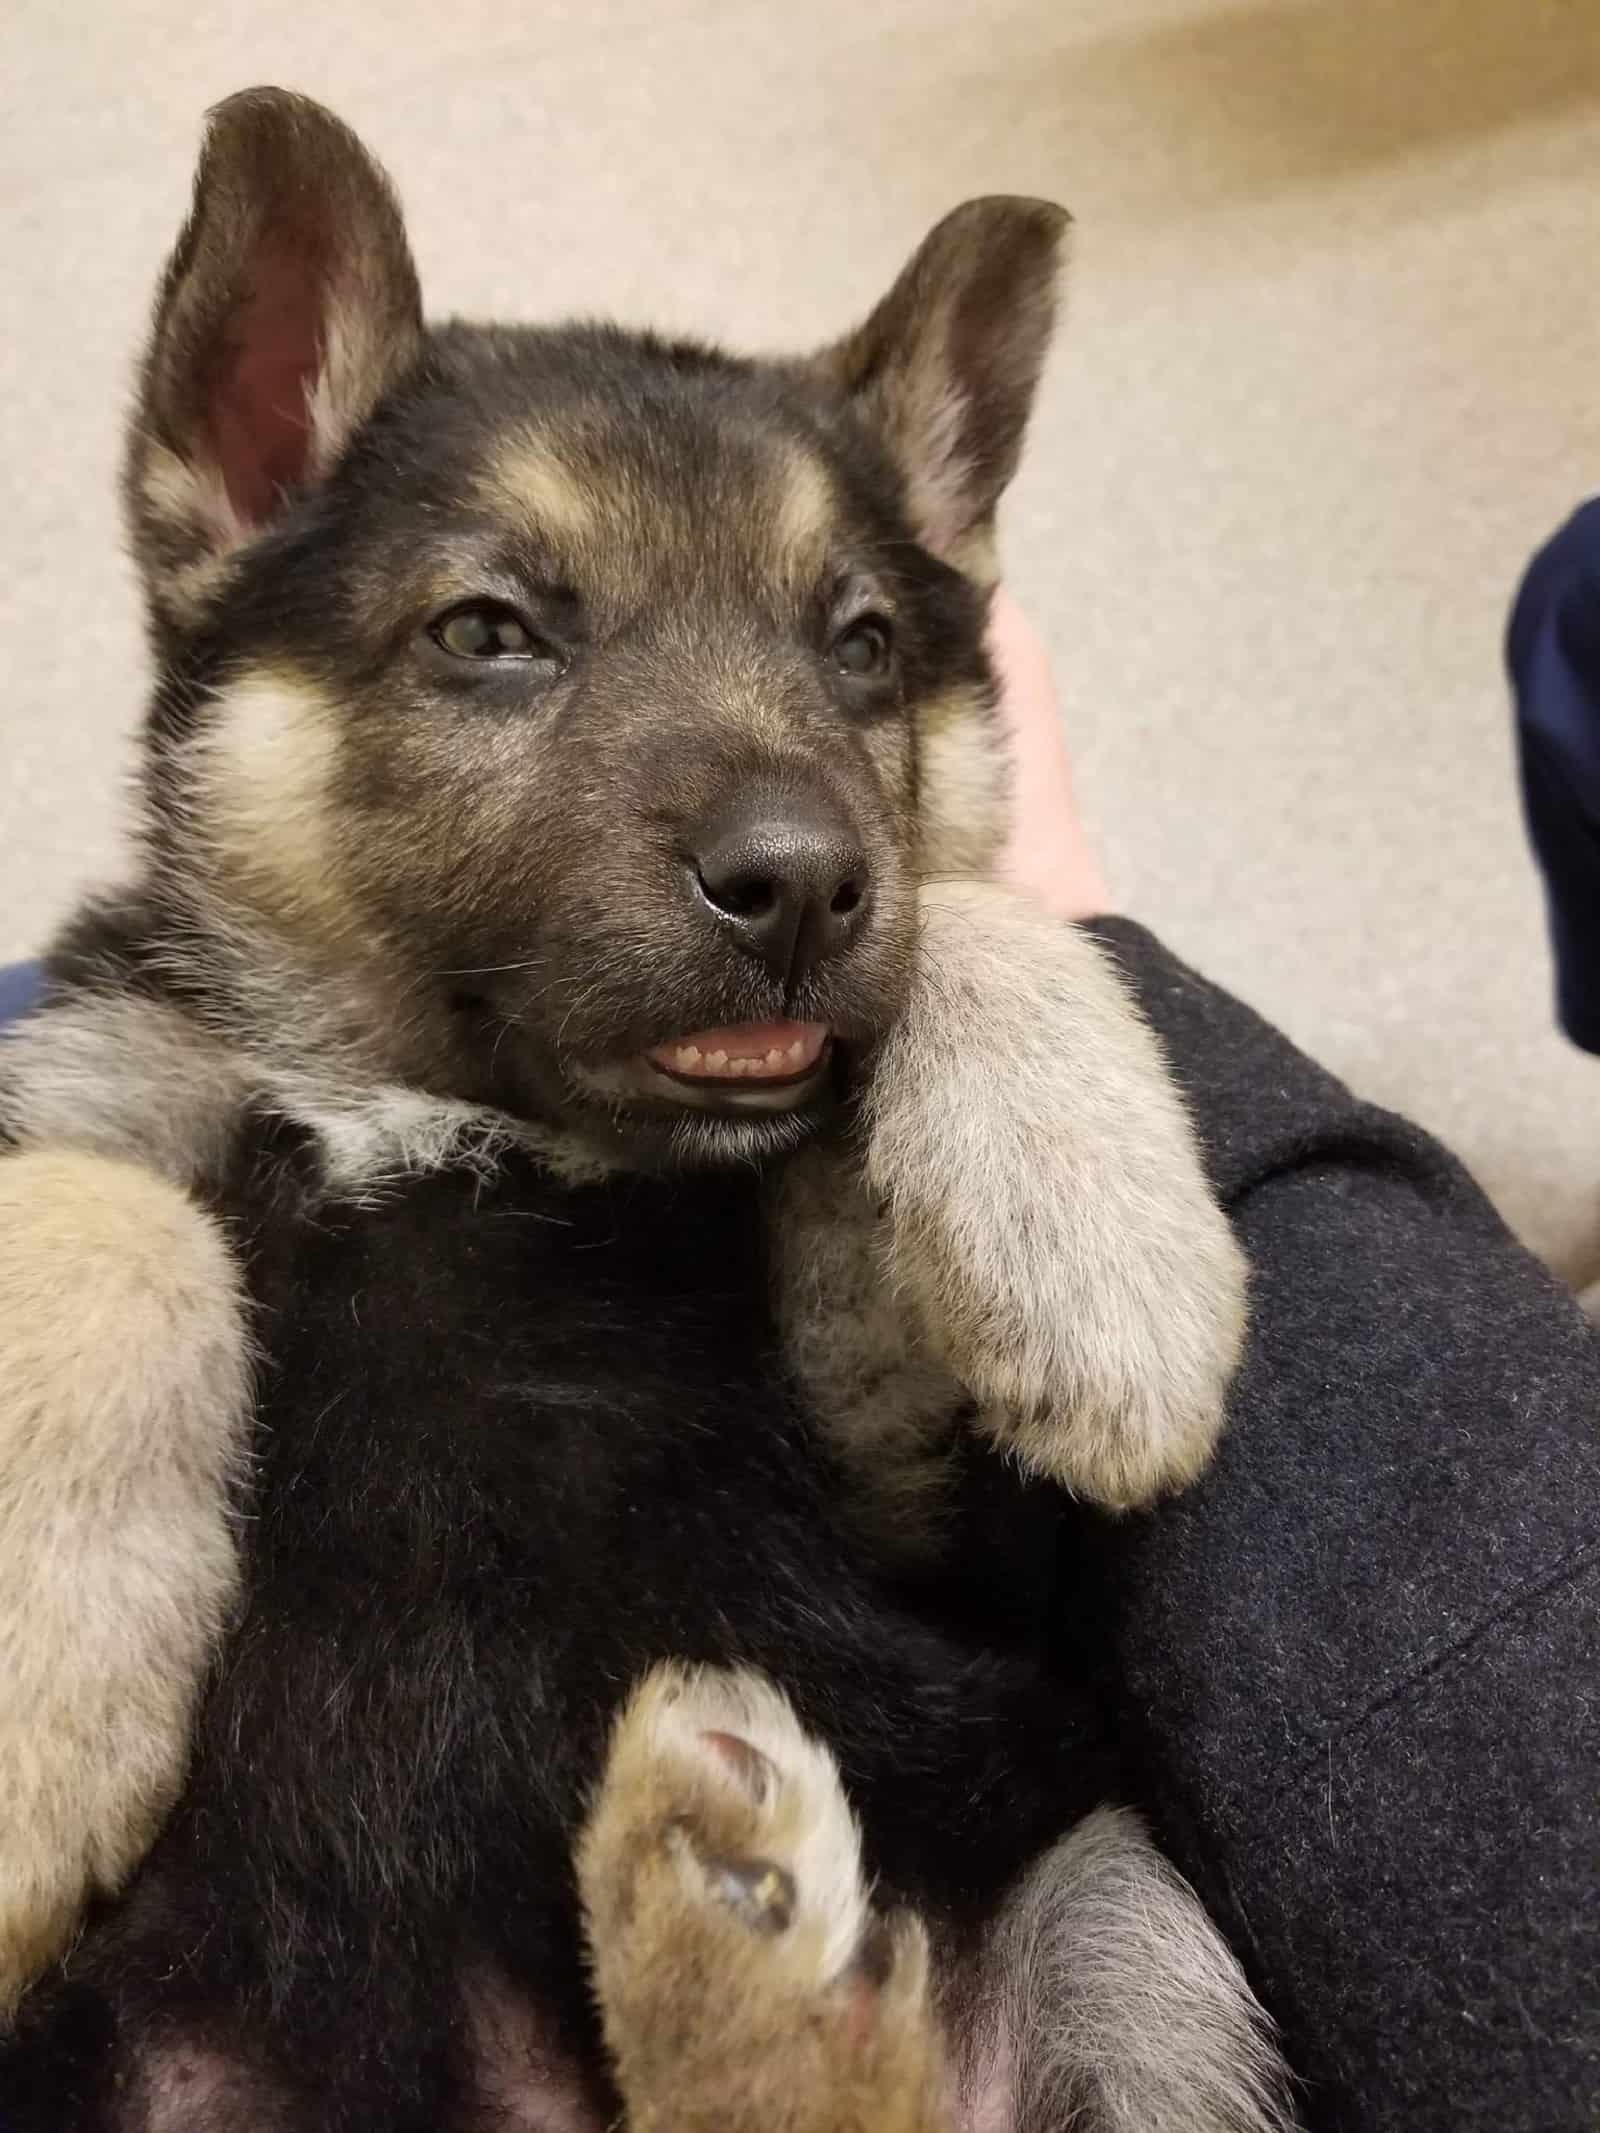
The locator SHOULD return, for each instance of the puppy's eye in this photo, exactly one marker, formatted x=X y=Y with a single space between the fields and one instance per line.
x=864 y=649
x=487 y=629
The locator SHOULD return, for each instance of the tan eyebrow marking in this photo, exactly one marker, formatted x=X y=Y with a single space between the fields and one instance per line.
x=525 y=479
x=805 y=514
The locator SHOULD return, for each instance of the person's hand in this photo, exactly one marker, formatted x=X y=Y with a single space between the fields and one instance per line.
x=1047 y=854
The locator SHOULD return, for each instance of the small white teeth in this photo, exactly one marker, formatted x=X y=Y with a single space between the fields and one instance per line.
x=778 y=1060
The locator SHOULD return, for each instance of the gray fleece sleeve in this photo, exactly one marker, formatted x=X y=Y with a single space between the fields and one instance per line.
x=1355 y=1674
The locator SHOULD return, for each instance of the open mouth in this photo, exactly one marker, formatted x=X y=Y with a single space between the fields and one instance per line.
x=747 y=1061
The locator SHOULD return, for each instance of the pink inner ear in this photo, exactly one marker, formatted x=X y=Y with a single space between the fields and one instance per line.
x=260 y=429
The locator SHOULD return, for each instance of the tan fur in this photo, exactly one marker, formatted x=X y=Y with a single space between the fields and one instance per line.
x=743 y=1983
x=963 y=802
x=361 y=350
x=123 y=1392
x=177 y=489
x=803 y=524
x=977 y=555
x=527 y=484
x=1115 y=2004
x=1046 y=1217
x=940 y=477
x=189 y=506
x=264 y=765
x=180 y=494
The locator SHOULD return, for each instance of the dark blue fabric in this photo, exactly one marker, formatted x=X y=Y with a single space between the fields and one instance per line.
x=19 y=986
x=1553 y=652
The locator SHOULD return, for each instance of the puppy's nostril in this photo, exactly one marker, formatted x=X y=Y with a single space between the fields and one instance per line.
x=742 y=895
x=845 y=898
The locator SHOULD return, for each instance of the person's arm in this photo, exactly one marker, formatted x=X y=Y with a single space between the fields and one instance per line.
x=1356 y=1669
x=1553 y=657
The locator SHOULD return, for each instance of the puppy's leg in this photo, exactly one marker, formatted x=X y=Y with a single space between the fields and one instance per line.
x=123 y=1399
x=885 y=1399
x=1115 y=2006
x=1047 y=1214
x=745 y=1983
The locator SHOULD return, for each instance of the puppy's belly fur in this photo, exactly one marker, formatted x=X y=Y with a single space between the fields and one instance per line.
x=516 y=2073
x=517 y=1444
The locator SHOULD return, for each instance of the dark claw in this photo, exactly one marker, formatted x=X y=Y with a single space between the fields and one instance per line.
x=874 y=1959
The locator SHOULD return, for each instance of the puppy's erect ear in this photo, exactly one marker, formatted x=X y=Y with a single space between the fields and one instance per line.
x=945 y=368
x=288 y=307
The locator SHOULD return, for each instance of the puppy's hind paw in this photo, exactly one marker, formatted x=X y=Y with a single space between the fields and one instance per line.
x=1047 y=1215
x=744 y=1979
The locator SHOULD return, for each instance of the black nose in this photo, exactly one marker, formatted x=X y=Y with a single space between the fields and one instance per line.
x=788 y=879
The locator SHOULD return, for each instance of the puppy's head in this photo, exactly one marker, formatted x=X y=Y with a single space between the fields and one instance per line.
x=562 y=718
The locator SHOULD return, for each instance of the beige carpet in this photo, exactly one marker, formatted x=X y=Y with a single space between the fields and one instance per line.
x=1333 y=368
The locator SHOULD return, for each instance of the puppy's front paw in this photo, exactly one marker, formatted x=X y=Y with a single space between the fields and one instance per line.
x=744 y=1979
x=74 y=1821
x=1046 y=1211
x=1127 y=1403
x=123 y=1392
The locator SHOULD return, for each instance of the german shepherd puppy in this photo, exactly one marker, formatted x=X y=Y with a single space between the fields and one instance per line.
x=522 y=1182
